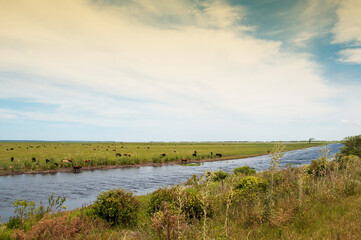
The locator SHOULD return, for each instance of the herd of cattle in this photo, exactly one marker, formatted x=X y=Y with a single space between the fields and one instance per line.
x=77 y=168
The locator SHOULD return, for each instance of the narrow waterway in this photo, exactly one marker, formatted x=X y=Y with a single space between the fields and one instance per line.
x=83 y=188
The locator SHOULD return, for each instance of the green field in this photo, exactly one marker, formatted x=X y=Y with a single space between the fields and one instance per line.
x=104 y=153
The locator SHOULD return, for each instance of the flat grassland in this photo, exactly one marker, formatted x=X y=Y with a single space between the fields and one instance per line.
x=18 y=157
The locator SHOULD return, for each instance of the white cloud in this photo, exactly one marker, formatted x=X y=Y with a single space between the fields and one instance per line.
x=351 y=55
x=151 y=63
x=347 y=30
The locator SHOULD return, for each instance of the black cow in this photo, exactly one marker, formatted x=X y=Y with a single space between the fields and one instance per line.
x=163 y=154
x=47 y=160
x=195 y=154
x=33 y=159
x=218 y=155
x=56 y=164
x=118 y=154
x=12 y=159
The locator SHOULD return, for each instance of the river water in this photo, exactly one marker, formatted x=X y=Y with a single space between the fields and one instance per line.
x=83 y=188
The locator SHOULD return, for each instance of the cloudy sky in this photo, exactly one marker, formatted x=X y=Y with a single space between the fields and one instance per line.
x=180 y=70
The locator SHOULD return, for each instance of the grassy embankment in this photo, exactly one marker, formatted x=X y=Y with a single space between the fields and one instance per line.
x=316 y=201
x=103 y=154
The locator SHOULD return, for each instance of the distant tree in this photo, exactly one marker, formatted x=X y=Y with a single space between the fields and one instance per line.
x=352 y=146
x=310 y=140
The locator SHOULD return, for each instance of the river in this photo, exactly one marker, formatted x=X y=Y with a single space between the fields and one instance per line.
x=83 y=188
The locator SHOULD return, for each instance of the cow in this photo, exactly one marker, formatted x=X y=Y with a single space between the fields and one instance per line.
x=184 y=160
x=107 y=149
x=163 y=154
x=56 y=164
x=118 y=154
x=88 y=161
x=33 y=159
x=11 y=149
x=211 y=153
x=125 y=154
x=174 y=151
x=12 y=159
x=47 y=160
x=218 y=155
x=69 y=160
x=195 y=154
x=65 y=161
x=76 y=168
x=114 y=150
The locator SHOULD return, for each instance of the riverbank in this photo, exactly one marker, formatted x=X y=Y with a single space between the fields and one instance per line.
x=51 y=157
x=106 y=167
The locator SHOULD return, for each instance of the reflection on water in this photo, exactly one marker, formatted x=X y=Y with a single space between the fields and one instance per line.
x=84 y=187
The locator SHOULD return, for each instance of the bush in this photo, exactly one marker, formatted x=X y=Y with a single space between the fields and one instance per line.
x=220 y=175
x=117 y=206
x=318 y=167
x=159 y=196
x=352 y=146
x=192 y=206
x=246 y=170
x=251 y=186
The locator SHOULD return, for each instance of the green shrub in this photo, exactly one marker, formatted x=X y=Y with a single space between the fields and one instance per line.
x=220 y=175
x=159 y=196
x=117 y=206
x=318 y=167
x=344 y=160
x=247 y=170
x=352 y=146
x=14 y=222
x=251 y=186
x=192 y=206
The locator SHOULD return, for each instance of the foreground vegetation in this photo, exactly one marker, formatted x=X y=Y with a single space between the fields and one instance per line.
x=35 y=156
x=316 y=201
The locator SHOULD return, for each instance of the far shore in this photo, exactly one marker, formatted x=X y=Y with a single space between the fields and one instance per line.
x=106 y=167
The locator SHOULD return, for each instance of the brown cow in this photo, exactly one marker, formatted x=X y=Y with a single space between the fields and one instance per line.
x=76 y=168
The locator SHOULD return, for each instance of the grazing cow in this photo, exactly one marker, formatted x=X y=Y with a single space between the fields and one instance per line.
x=148 y=147
x=56 y=164
x=76 y=169
x=47 y=160
x=174 y=151
x=195 y=154
x=129 y=155
x=69 y=160
x=65 y=161
x=184 y=160
x=33 y=159
x=107 y=149
x=12 y=159
x=125 y=154
x=163 y=154
x=11 y=148
x=88 y=161
x=211 y=153
x=121 y=147
x=218 y=155
x=7 y=149
x=118 y=154
x=114 y=150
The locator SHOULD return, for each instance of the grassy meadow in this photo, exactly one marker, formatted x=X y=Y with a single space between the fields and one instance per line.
x=316 y=201
x=90 y=154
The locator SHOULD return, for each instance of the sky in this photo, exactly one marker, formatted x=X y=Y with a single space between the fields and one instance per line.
x=180 y=70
